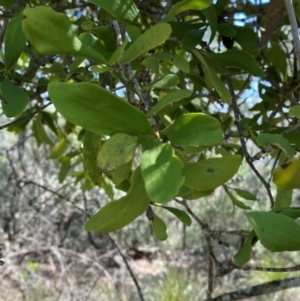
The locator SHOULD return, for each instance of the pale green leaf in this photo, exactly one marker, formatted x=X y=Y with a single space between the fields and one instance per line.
x=162 y=173
x=97 y=110
x=169 y=98
x=150 y=39
x=184 y=5
x=159 y=228
x=276 y=232
x=117 y=214
x=115 y=152
x=195 y=129
x=277 y=140
x=122 y=10
x=211 y=173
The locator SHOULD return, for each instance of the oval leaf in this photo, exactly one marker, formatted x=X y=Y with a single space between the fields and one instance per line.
x=184 y=5
x=117 y=214
x=294 y=111
x=168 y=99
x=159 y=228
x=165 y=82
x=287 y=176
x=216 y=81
x=174 y=60
x=14 y=47
x=195 y=129
x=277 y=140
x=91 y=147
x=181 y=215
x=276 y=232
x=14 y=100
x=240 y=59
x=59 y=149
x=115 y=152
x=192 y=38
x=244 y=253
x=162 y=173
x=97 y=110
x=284 y=198
x=121 y=10
x=211 y=173
x=150 y=39
x=51 y=32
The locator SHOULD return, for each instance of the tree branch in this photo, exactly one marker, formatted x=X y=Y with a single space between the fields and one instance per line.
x=294 y=26
x=258 y=290
x=237 y=114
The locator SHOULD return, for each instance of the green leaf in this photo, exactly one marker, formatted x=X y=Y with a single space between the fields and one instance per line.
x=211 y=16
x=175 y=60
x=64 y=169
x=115 y=152
x=181 y=215
x=195 y=129
x=91 y=147
x=107 y=186
x=59 y=149
x=150 y=39
x=117 y=214
x=121 y=10
x=121 y=174
x=184 y=5
x=294 y=111
x=133 y=32
x=284 y=198
x=152 y=63
x=41 y=134
x=118 y=53
x=246 y=37
x=14 y=47
x=245 y=194
x=226 y=30
x=169 y=98
x=244 y=253
x=97 y=110
x=278 y=58
x=192 y=38
x=211 y=173
x=164 y=82
x=14 y=99
x=159 y=228
x=162 y=173
x=240 y=59
x=104 y=33
x=266 y=139
x=276 y=232
x=292 y=212
x=216 y=81
x=51 y=32
x=235 y=201
x=99 y=68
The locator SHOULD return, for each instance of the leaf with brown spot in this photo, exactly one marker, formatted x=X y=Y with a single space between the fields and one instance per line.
x=274 y=20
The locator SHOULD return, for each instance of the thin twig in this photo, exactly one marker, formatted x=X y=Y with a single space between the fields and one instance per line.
x=237 y=114
x=28 y=116
x=282 y=91
x=128 y=267
x=258 y=290
x=265 y=269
